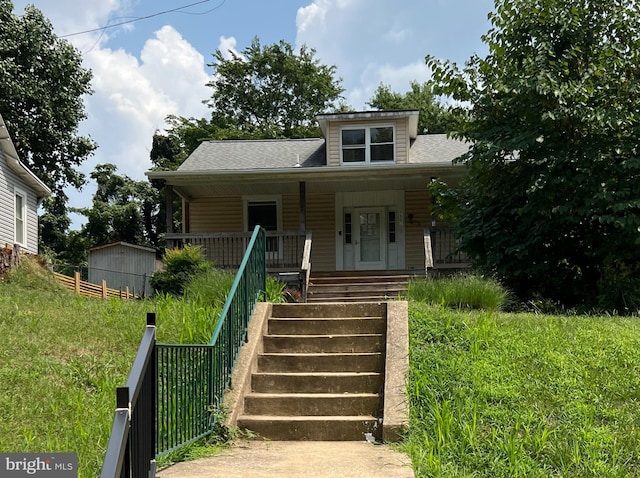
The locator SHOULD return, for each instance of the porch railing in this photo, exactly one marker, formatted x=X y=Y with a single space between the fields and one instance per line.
x=192 y=379
x=441 y=249
x=284 y=249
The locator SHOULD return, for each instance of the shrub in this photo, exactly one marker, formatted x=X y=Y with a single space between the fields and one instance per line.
x=180 y=266
x=460 y=291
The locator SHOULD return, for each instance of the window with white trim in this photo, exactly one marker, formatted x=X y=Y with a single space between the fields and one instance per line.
x=20 y=215
x=371 y=145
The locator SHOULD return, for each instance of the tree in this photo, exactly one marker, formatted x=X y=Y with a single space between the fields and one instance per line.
x=434 y=117
x=42 y=84
x=272 y=91
x=122 y=210
x=552 y=204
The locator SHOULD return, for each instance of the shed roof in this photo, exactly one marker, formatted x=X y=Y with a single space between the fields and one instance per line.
x=124 y=244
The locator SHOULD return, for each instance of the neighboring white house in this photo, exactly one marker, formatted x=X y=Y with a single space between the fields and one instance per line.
x=21 y=193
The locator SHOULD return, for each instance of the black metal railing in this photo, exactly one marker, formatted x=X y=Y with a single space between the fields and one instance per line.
x=131 y=448
x=444 y=248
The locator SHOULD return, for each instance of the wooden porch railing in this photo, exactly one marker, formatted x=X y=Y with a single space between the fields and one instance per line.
x=285 y=249
x=441 y=250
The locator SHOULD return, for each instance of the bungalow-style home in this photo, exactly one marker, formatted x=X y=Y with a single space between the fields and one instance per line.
x=359 y=195
x=21 y=193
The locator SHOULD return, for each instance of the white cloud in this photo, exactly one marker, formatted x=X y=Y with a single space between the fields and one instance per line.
x=376 y=41
x=227 y=46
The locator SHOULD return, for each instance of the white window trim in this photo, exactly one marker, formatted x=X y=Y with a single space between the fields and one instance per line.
x=262 y=198
x=25 y=215
x=367 y=144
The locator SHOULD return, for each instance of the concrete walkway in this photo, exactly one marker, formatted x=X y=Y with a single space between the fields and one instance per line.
x=293 y=459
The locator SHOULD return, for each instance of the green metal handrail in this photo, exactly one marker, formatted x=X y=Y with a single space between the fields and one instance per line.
x=192 y=379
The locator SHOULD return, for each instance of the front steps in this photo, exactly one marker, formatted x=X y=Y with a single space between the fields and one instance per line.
x=357 y=287
x=318 y=374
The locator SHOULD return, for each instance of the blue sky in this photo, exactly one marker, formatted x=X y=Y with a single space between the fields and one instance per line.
x=150 y=68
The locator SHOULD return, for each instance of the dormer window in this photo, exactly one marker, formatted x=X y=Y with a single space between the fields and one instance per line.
x=368 y=145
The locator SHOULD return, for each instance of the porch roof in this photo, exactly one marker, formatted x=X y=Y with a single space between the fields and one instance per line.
x=267 y=166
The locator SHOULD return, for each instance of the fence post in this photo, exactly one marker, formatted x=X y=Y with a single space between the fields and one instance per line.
x=127 y=292
x=77 y=282
x=104 y=289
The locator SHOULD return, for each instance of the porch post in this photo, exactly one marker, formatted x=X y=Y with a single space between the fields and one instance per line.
x=303 y=206
x=169 y=213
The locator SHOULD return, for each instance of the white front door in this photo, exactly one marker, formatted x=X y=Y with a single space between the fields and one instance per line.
x=370 y=239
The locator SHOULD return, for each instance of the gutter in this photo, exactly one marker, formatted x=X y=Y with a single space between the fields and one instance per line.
x=319 y=172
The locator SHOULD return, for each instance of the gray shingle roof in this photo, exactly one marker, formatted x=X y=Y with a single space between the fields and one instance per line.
x=436 y=148
x=256 y=154
x=245 y=155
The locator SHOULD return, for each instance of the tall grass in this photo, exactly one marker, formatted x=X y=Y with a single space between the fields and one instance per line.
x=459 y=291
x=63 y=356
x=522 y=395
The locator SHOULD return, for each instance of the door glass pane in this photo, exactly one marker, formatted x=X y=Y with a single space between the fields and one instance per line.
x=370 y=237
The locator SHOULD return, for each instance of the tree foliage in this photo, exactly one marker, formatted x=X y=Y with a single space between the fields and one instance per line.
x=273 y=91
x=122 y=210
x=41 y=97
x=552 y=203
x=434 y=117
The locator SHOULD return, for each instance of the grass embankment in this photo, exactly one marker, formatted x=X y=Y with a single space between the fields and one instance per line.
x=491 y=394
x=63 y=356
x=521 y=395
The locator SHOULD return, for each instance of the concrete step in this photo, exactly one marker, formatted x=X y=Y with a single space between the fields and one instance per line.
x=326 y=326
x=317 y=382
x=324 y=362
x=322 y=299
x=316 y=428
x=313 y=404
x=323 y=343
x=331 y=311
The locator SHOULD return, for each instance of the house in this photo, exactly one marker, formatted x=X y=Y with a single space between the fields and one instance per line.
x=123 y=265
x=21 y=193
x=359 y=194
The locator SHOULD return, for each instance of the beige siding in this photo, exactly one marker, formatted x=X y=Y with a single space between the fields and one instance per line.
x=321 y=222
x=220 y=214
x=416 y=203
x=290 y=213
x=333 y=139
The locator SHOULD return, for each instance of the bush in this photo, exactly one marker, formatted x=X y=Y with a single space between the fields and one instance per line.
x=461 y=291
x=180 y=266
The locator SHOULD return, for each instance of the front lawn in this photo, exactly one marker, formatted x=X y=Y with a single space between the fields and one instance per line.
x=507 y=395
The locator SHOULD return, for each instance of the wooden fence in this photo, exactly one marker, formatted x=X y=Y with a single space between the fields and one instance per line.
x=87 y=289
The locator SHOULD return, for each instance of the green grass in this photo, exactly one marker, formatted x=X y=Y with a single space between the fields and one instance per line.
x=509 y=395
x=459 y=291
x=63 y=356
x=491 y=394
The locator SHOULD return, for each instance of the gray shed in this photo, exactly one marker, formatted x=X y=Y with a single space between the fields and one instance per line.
x=123 y=265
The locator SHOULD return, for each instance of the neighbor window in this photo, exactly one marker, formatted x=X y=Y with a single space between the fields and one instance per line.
x=20 y=230
x=368 y=145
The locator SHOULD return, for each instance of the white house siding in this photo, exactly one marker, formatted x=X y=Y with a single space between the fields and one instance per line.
x=333 y=138
x=321 y=222
x=9 y=181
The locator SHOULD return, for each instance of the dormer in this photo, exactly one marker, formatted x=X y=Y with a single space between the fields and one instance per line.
x=367 y=139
